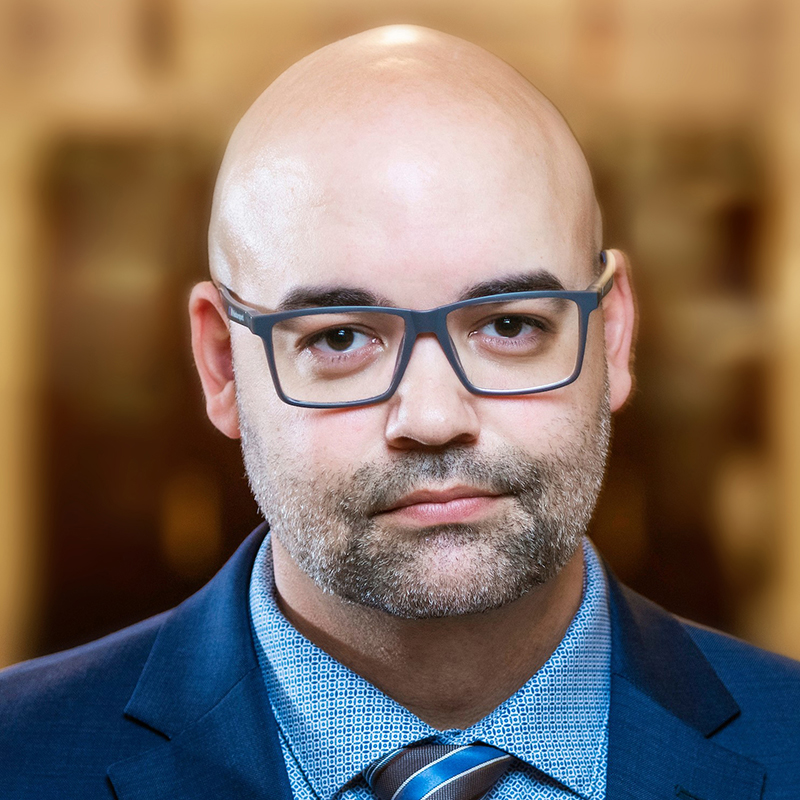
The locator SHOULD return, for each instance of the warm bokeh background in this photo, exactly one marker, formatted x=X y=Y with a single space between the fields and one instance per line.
x=117 y=498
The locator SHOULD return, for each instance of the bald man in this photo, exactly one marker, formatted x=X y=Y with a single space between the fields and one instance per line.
x=415 y=331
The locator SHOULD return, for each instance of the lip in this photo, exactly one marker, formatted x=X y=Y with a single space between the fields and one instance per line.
x=441 y=506
x=439 y=496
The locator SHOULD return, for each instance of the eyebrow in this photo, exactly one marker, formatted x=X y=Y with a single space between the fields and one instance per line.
x=539 y=281
x=318 y=297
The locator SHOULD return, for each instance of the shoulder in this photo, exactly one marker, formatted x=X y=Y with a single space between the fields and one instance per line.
x=78 y=663
x=739 y=697
x=744 y=667
x=648 y=632
x=89 y=672
x=61 y=716
x=766 y=687
x=67 y=718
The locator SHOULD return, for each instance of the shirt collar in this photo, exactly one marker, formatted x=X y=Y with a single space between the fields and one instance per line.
x=336 y=724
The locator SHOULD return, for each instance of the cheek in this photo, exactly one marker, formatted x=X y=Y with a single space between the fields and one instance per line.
x=338 y=441
x=592 y=380
x=594 y=351
x=341 y=436
x=544 y=424
x=535 y=424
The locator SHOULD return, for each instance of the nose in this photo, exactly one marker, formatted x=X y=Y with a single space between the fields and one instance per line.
x=431 y=407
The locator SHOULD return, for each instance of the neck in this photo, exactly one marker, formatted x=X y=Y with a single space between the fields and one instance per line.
x=450 y=672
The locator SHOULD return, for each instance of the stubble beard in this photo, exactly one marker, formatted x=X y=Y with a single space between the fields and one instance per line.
x=328 y=523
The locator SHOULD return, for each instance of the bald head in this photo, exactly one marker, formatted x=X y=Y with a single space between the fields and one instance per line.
x=389 y=138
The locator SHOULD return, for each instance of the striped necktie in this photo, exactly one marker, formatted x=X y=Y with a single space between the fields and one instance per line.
x=437 y=772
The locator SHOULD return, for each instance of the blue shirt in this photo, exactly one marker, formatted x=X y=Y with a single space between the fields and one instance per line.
x=333 y=724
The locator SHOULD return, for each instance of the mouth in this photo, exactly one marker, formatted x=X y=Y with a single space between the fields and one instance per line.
x=443 y=506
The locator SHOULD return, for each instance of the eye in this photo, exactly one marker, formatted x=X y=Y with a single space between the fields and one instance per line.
x=340 y=340
x=509 y=327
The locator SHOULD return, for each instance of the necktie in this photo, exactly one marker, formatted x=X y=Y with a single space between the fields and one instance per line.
x=437 y=772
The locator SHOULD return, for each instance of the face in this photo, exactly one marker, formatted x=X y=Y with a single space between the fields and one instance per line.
x=435 y=502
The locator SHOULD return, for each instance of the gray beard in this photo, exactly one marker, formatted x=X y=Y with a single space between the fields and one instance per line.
x=327 y=523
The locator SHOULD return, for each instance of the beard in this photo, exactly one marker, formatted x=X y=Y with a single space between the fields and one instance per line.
x=331 y=526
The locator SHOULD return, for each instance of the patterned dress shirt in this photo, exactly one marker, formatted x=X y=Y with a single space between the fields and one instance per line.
x=333 y=724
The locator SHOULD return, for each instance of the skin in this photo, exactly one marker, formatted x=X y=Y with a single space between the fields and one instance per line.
x=410 y=164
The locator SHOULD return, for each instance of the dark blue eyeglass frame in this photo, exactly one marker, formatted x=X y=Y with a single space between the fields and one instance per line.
x=434 y=321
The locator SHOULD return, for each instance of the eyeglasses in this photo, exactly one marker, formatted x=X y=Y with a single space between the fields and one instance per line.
x=499 y=345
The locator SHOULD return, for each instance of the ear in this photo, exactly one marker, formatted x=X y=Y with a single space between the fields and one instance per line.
x=619 y=319
x=211 y=345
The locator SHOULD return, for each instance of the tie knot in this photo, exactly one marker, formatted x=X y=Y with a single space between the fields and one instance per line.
x=437 y=772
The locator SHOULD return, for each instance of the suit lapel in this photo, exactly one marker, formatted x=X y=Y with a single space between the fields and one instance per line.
x=666 y=705
x=654 y=755
x=202 y=691
x=231 y=752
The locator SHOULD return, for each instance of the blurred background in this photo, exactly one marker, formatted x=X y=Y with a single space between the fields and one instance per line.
x=118 y=498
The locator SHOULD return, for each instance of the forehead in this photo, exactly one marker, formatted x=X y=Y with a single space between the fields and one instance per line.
x=416 y=217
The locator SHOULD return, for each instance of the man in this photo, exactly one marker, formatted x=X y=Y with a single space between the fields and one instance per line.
x=436 y=343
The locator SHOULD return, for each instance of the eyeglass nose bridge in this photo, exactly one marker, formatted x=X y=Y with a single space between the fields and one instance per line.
x=418 y=323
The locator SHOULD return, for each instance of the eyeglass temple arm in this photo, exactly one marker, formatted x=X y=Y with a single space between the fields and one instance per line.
x=237 y=312
x=605 y=281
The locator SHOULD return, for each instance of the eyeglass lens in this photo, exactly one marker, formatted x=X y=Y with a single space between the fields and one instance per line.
x=348 y=357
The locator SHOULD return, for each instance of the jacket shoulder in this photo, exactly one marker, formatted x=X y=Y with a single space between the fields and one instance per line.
x=749 y=673
x=745 y=666
x=83 y=671
x=763 y=683
x=61 y=716
x=766 y=687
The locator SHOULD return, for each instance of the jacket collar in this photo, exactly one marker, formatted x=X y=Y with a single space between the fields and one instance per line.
x=202 y=691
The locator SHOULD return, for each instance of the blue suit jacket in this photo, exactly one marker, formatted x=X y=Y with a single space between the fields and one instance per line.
x=175 y=707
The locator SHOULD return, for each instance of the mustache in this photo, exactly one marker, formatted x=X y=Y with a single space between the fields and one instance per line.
x=376 y=487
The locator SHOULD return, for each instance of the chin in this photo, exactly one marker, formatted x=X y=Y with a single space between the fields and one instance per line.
x=448 y=580
x=436 y=601
x=450 y=567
